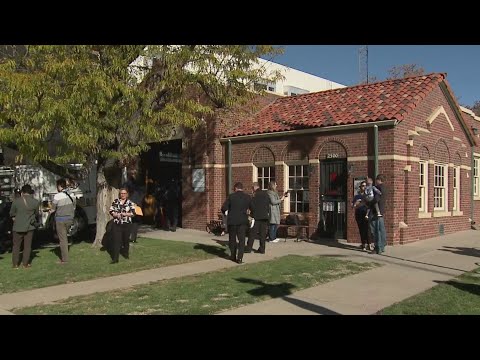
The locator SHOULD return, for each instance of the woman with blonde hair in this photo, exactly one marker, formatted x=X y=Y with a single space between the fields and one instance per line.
x=275 y=201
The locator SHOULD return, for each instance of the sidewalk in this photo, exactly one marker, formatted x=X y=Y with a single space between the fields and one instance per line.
x=409 y=269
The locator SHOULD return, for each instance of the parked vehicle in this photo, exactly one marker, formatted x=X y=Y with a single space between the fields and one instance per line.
x=44 y=186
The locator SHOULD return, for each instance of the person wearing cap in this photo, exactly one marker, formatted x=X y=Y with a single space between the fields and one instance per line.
x=24 y=213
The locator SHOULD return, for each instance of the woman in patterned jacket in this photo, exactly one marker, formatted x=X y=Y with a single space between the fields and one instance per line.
x=122 y=210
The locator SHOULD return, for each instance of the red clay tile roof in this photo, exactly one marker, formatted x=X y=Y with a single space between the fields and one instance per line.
x=386 y=100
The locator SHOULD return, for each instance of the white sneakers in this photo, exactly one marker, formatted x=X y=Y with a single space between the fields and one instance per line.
x=275 y=240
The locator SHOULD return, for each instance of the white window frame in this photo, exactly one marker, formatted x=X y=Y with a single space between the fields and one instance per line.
x=476 y=177
x=287 y=201
x=423 y=197
x=456 y=188
x=441 y=186
x=259 y=179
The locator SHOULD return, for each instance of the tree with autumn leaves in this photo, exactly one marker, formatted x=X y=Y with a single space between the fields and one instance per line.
x=101 y=105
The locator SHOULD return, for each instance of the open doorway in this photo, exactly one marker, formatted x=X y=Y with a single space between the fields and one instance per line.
x=161 y=170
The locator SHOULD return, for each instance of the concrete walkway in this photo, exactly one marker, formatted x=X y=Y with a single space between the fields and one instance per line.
x=408 y=270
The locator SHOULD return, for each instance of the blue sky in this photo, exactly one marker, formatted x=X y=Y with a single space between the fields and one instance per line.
x=339 y=63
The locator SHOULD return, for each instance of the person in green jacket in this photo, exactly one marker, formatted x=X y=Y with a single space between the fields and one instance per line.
x=24 y=212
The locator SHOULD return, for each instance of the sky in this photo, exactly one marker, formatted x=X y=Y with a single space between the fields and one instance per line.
x=340 y=63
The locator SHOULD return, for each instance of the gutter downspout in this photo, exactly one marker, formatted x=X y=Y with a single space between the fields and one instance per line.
x=472 y=186
x=229 y=168
x=375 y=145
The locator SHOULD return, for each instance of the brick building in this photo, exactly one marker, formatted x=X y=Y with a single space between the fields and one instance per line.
x=319 y=145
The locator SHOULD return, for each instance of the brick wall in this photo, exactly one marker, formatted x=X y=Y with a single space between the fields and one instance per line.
x=395 y=157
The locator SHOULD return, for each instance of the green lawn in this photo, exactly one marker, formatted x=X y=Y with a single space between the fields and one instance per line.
x=89 y=263
x=459 y=296
x=212 y=292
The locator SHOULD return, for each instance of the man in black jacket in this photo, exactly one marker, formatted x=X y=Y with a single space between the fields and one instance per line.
x=237 y=205
x=260 y=208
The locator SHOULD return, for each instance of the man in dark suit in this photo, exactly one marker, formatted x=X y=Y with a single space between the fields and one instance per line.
x=260 y=208
x=237 y=205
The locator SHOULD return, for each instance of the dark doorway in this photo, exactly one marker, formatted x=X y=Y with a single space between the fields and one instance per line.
x=161 y=166
x=333 y=199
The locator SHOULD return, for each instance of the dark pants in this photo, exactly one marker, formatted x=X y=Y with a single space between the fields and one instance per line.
x=18 y=237
x=234 y=232
x=121 y=238
x=134 y=233
x=172 y=213
x=363 y=229
x=260 y=228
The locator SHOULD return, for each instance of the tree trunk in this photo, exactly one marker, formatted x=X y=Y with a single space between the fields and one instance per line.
x=108 y=183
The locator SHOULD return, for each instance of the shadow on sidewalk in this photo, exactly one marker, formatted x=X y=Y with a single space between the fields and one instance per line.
x=468 y=287
x=310 y=307
x=272 y=290
x=462 y=250
x=214 y=250
x=385 y=257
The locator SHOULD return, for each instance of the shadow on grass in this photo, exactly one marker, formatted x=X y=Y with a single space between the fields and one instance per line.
x=221 y=242
x=311 y=307
x=214 y=250
x=272 y=290
x=462 y=250
x=468 y=287
x=58 y=253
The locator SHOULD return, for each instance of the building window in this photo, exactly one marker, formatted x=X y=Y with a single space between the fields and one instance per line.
x=298 y=183
x=456 y=188
x=265 y=174
x=423 y=206
x=476 y=177
x=440 y=187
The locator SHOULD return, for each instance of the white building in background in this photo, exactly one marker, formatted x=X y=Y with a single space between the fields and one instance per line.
x=295 y=82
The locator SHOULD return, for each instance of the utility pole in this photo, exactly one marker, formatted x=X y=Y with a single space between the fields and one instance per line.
x=363 y=64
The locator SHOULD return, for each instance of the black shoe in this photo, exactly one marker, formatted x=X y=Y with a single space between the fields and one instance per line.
x=248 y=251
x=259 y=251
x=114 y=262
x=239 y=261
x=233 y=258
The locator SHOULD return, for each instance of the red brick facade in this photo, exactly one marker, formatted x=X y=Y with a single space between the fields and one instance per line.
x=424 y=134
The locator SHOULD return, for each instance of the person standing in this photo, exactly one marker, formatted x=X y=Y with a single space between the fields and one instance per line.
x=63 y=205
x=275 y=201
x=172 y=196
x=24 y=212
x=260 y=207
x=360 y=212
x=377 y=222
x=122 y=211
x=237 y=205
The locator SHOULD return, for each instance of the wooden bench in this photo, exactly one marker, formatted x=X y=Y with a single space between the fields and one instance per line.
x=303 y=225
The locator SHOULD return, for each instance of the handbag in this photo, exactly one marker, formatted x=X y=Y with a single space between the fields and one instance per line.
x=138 y=210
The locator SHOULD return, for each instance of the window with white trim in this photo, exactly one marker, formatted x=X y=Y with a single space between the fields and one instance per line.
x=298 y=185
x=456 y=188
x=476 y=177
x=440 y=180
x=423 y=198
x=265 y=174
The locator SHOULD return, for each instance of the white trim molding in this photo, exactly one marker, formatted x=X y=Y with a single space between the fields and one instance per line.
x=436 y=113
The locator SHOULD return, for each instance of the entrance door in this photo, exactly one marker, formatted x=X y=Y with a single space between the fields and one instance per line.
x=333 y=199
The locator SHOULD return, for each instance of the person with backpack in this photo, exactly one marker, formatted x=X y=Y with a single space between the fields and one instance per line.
x=63 y=205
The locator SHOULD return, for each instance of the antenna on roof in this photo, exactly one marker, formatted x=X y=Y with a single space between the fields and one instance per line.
x=363 y=64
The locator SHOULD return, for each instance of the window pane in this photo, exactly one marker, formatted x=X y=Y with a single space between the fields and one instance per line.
x=291 y=170
x=305 y=170
x=272 y=172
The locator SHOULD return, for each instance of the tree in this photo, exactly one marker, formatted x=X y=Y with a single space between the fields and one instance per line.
x=102 y=105
x=476 y=107
x=402 y=71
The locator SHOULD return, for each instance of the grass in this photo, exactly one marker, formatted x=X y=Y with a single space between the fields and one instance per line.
x=212 y=292
x=459 y=296
x=90 y=263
